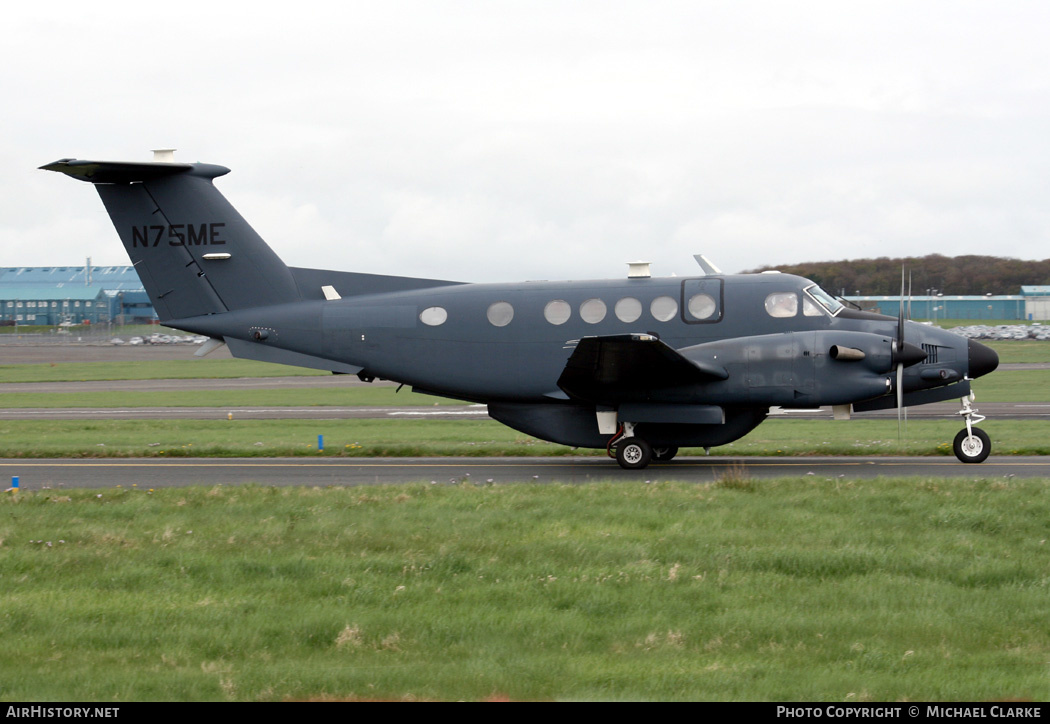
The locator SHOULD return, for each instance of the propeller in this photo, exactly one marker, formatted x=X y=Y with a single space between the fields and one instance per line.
x=904 y=355
x=900 y=362
x=909 y=317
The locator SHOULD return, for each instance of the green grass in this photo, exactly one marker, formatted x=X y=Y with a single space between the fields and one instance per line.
x=266 y=438
x=474 y=438
x=1020 y=351
x=190 y=368
x=190 y=397
x=1013 y=386
x=785 y=590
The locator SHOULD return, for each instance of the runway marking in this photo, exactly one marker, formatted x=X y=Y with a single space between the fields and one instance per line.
x=438 y=412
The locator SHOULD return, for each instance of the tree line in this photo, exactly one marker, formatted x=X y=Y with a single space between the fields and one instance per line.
x=969 y=275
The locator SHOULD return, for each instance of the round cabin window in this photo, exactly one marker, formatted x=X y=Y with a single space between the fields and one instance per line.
x=663 y=309
x=628 y=309
x=592 y=311
x=500 y=314
x=557 y=312
x=433 y=316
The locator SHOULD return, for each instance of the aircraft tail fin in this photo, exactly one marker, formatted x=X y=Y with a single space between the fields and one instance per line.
x=194 y=253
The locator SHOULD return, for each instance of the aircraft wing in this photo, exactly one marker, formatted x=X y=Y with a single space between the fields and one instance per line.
x=619 y=368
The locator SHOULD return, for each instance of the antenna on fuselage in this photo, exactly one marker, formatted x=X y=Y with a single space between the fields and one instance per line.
x=706 y=264
x=638 y=270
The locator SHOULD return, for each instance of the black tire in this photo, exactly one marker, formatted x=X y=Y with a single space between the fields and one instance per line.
x=633 y=453
x=972 y=449
x=664 y=454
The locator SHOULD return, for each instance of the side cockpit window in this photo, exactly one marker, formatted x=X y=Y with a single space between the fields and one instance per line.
x=782 y=304
x=831 y=305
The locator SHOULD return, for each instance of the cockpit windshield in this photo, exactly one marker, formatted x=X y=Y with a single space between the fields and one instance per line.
x=825 y=300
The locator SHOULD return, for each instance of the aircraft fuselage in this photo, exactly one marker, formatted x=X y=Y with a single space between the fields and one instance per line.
x=509 y=343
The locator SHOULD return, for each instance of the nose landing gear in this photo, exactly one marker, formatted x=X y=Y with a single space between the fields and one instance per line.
x=971 y=445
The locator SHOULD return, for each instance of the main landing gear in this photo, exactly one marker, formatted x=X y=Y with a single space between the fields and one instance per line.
x=971 y=445
x=634 y=453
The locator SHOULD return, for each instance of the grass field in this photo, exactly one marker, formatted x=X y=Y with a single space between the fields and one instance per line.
x=299 y=397
x=152 y=370
x=473 y=438
x=785 y=590
x=798 y=589
x=1020 y=351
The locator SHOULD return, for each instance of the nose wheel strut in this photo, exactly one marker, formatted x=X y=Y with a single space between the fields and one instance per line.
x=971 y=445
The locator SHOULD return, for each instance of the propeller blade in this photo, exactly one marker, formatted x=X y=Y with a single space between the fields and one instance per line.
x=899 y=354
x=909 y=295
x=900 y=315
x=900 y=398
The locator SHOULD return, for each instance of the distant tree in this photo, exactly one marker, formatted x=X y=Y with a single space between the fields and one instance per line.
x=969 y=275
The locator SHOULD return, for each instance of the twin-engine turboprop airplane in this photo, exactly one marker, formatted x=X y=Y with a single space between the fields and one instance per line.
x=639 y=366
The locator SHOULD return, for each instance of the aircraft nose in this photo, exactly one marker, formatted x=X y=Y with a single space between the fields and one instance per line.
x=982 y=359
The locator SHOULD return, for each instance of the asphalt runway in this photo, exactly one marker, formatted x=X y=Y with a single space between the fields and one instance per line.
x=156 y=473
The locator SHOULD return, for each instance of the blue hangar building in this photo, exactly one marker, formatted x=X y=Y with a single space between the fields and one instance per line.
x=54 y=295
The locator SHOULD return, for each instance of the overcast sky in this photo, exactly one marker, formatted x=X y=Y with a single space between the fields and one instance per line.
x=500 y=141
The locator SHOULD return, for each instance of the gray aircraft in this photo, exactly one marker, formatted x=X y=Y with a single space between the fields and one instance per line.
x=639 y=366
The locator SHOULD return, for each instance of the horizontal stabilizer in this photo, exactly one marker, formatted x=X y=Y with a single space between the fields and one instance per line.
x=619 y=368
x=209 y=346
x=255 y=351
x=119 y=172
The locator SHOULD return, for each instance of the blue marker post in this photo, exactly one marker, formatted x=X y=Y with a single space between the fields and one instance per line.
x=14 y=482
x=320 y=443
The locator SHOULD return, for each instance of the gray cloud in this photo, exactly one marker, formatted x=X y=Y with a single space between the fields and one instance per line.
x=507 y=140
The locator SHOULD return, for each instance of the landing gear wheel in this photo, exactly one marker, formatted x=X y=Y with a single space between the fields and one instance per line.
x=973 y=448
x=664 y=454
x=633 y=453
